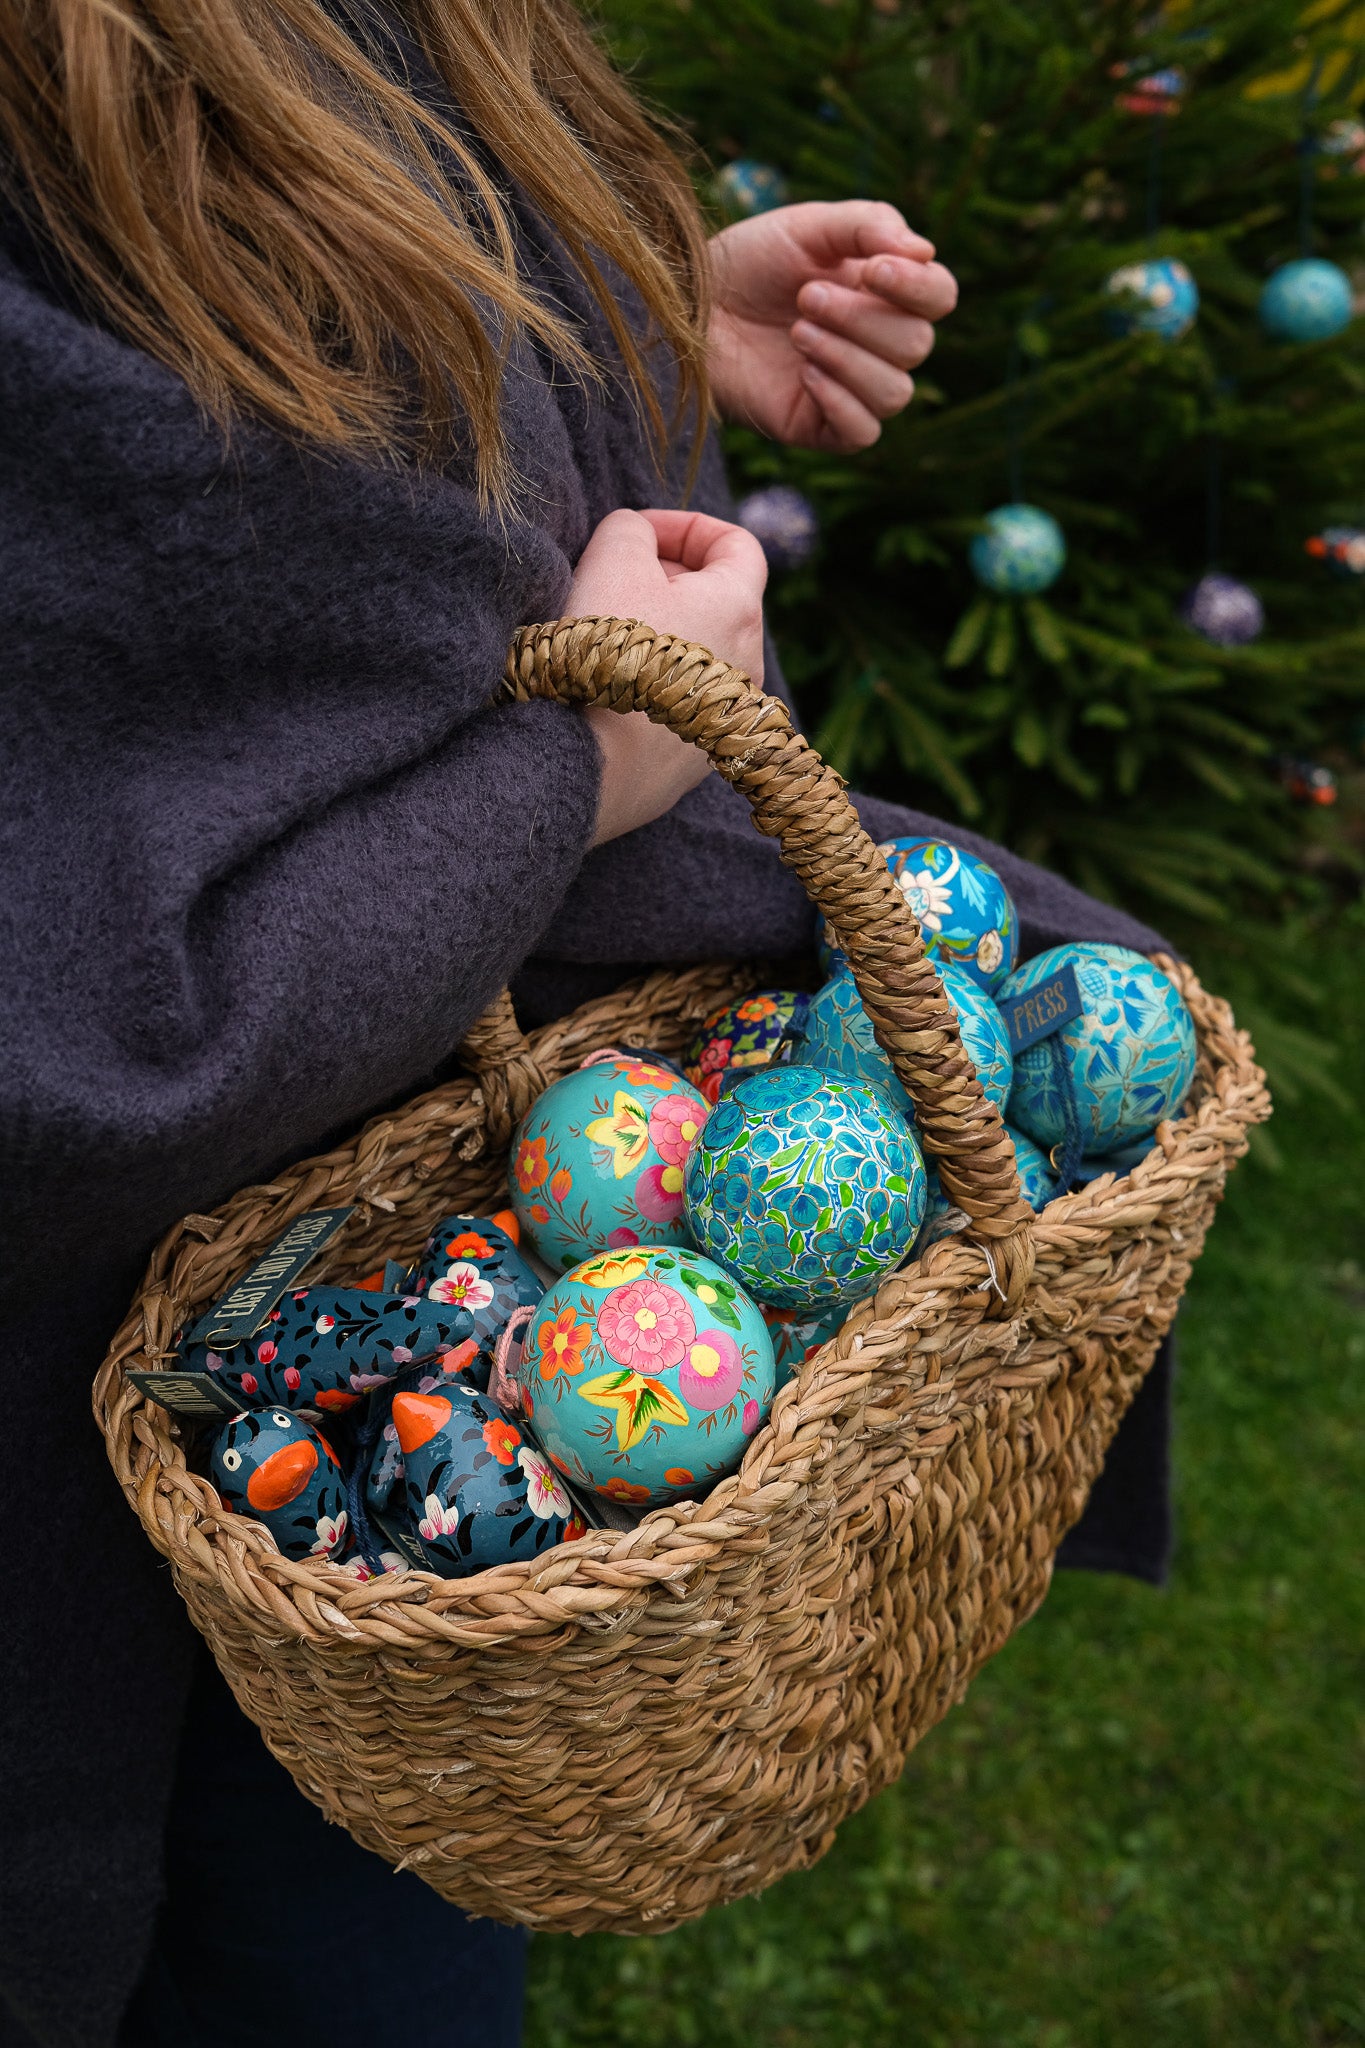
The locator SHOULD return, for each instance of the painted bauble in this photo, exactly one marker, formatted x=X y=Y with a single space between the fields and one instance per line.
x=1155 y=93
x=964 y=911
x=1020 y=550
x=1343 y=145
x=839 y=1038
x=479 y=1492
x=322 y=1349
x=805 y=1188
x=742 y=1035
x=645 y=1373
x=598 y=1160
x=282 y=1472
x=472 y=1262
x=795 y=1336
x=784 y=520
x=1130 y=1055
x=746 y=186
x=1342 y=548
x=1224 y=611
x=1309 y=300
x=1159 y=297
x=1037 y=1179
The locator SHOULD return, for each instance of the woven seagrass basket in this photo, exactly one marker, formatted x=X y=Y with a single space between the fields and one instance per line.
x=637 y=1726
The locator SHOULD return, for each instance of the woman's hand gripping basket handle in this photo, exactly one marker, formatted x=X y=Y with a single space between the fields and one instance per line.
x=802 y=803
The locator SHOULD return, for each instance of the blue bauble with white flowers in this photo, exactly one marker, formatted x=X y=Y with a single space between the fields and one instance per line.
x=805 y=1188
x=1129 y=1056
x=746 y=186
x=1019 y=551
x=1309 y=300
x=1160 y=297
x=965 y=913
x=839 y=1038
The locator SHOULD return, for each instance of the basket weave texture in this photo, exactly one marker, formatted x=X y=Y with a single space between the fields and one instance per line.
x=635 y=1727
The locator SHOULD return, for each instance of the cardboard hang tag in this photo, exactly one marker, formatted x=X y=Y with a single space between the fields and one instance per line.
x=245 y=1308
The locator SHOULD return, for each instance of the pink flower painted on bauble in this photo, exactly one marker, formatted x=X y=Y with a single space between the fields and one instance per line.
x=659 y=1193
x=712 y=1372
x=675 y=1123
x=620 y=1238
x=751 y=1417
x=266 y=1353
x=645 y=1325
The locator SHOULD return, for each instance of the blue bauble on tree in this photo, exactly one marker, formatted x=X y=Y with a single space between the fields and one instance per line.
x=784 y=520
x=745 y=187
x=1306 y=301
x=1019 y=551
x=1224 y=610
x=1159 y=297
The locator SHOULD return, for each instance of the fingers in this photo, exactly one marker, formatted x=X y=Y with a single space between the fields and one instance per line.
x=902 y=339
x=623 y=541
x=880 y=386
x=698 y=542
x=847 y=422
x=835 y=231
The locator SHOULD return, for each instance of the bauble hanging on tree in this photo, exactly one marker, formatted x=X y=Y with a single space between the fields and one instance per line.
x=1160 y=297
x=1224 y=610
x=784 y=520
x=1342 y=548
x=746 y=186
x=1308 y=300
x=1019 y=551
x=1344 y=147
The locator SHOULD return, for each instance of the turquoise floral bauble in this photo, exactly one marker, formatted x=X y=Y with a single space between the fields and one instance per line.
x=746 y=187
x=964 y=911
x=1037 y=1181
x=1130 y=1054
x=741 y=1035
x=839 y=1037
x=1159 y=297
x=1309 y=300
x=1020 y=551
x=805 y=1188
x=645 y=1373
x=796 y=1336
x=597 y=1162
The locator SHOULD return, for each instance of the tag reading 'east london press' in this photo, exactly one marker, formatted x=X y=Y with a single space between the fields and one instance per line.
x=239 y=1314
x=1045 y=1009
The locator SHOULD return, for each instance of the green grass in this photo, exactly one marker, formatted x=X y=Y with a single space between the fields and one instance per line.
x=1145 y=1827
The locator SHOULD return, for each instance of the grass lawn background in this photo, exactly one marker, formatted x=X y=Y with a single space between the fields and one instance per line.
x=1145 y=1826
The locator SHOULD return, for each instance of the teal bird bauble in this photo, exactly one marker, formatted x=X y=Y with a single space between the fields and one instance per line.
x=1020 y=551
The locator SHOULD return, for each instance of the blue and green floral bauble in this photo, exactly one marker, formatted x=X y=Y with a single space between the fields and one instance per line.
x=741 y=1035
x=1308 y=300
x=839 y=1038
x=478 y=1492
x=1159 y=297
x=597 y=1162
x=965 y=913
x=645 y=1373
x=805 y=1188
x=795 y=1336
x=746 y=187
x=1019 y=551
x=1128 y=1058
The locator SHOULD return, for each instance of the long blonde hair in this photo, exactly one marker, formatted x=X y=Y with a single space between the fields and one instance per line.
x=254 y=201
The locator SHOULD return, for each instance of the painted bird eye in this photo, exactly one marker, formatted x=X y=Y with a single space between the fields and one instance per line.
x=231 y=1460
x=281 y=1420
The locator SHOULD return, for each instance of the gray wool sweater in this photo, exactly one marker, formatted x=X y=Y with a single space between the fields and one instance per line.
x=267 y=853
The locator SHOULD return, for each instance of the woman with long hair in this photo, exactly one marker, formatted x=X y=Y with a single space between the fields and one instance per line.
x=336 y=341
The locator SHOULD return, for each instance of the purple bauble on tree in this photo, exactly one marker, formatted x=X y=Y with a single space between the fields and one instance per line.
x=1224 y=610
x=784 y=521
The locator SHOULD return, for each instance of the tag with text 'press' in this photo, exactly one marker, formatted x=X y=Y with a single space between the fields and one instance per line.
x=1045 y=1009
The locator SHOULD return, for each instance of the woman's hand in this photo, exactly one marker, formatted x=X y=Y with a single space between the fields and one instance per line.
x=820 y=313
x=683 y=573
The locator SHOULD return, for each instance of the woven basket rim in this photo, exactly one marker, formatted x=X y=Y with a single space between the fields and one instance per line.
x=595 y=1579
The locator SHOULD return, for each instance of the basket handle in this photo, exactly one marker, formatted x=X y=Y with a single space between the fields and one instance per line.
x=801 y=802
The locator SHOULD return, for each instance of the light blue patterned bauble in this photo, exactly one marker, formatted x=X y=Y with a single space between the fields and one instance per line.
x=796 y=1336
x=1130 y=1053
x=840 y=1040
x=645 y=1373
x=1037 y=1181
x=1159 y=297
x=1309 y=300
x=964 y=911
x=806 y=1188
x=1020 y=551
x=746 y=186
